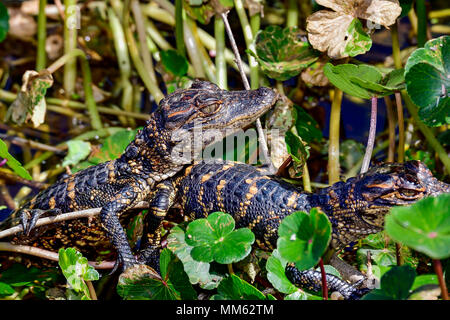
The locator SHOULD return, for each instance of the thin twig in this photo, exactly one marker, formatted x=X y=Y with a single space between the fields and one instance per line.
x=371 y=139
x=46 y=254
x=261 y=137
x=17 y=179
x=63 y=217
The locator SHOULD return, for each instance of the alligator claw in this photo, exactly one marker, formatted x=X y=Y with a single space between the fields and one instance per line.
x=29 y=217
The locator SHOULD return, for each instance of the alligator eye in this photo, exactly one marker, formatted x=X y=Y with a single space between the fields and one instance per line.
x=409 y=194
x=210 y=108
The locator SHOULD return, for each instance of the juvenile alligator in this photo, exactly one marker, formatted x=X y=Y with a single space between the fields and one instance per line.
x=157 y=153
x=355 y=208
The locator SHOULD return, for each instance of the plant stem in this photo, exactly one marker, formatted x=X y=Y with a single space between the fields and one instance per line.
x=306 y=179
x=401 y=128
x=70 y=43
x=438 y=270
x=324 y=280
x=148 y=80
x=371 y=138
x=41 y=56
x=87 y=82
x=421 y=23
x=396 y=46
x=221 y=64
x=123 y=60
x=391 y=128
x=292 y=14
x=427 y=132
x=230 y=268
x=248 y=36
x=200 y=51
x=333 y=148
x=179 y=33
x=145 y=53
x=91 y=290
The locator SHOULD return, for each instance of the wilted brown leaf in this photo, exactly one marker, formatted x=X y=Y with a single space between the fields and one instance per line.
x=328 y=30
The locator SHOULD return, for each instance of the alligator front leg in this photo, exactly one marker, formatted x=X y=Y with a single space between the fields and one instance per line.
x=162 y=200
x=109 y=216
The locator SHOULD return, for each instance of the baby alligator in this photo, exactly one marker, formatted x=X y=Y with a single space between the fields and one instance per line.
x=157 y=153
x=355 y=208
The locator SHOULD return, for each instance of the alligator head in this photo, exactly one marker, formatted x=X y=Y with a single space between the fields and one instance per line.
x=358 y=207
x=181 y=126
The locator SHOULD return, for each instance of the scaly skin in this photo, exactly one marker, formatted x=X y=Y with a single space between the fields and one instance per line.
x=154 y=155
x=355 y=208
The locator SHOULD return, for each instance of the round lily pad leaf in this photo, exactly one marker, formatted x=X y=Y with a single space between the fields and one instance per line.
x=234 y=288
x=141 y=282
x=304 y=237
x=282 y=53
x=198 y=272
x=427 y=75
x=214 y=239
x=424 y=226
x=276 y=275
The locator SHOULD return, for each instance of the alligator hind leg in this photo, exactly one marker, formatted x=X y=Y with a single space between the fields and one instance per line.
x=29 y=217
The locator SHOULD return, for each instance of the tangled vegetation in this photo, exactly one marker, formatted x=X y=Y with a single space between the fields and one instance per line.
x=363 y=81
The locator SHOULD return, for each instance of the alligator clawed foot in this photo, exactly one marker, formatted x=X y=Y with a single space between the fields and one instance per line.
x=124 y=264
x=29 y=217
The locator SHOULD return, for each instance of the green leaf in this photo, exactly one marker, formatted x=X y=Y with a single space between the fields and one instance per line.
x=18 y=275
x=424 y=226
x=303 y=238
x=76 y=269
x=172 y=270
x=427 y=75
x=6 y=289
x=275 y=274
x=383 y=257
x=340 y=77
x=424 y=279
x=395 y=284
x=364 y=81
x=4 y=22
x=174 y=62
x=307 y=128
x=281 y=52
x=406 y=7
x=358 y=40
x=112 y=148
x=12 y=162
x=199 y=10
x=141 y=282
x=78 y=150
x=234 y=288
x=214 y=239
x=198 y=272
x=297 y=150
